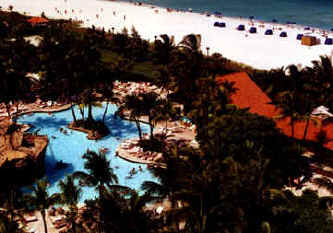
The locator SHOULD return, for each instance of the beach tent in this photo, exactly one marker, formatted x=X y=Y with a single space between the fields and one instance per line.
x=309 y=40
x=241 y=27
x=299 y=36
x=283 y=34
x=217 y=24
x=253 y=30
x=269 y=32
x=328 y=41
x=37 y=20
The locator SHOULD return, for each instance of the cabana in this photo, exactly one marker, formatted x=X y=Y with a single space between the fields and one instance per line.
x=309 y=40
x=217 y=24
x=253 y=30
x=241 y=27
x=283 y=34
x=269 y=32
x=328 y=41
x=299 y=36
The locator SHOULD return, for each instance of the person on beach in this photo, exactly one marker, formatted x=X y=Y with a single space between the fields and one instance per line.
x=124 y=17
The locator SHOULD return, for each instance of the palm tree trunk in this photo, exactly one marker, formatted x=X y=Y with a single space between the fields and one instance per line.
x=8 y=110
x=44 y=220
x=106 y=109
x=90 y=116
x=151 y=128
x=82 y=112
x=73 y=113
x=139 y=128
x=306 y=128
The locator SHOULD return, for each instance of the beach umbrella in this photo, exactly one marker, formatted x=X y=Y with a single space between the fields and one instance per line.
x=328 y=41
x=283 y=34
x=241 y=27
x=299 y=36
x=269 y=32
x=253 y=30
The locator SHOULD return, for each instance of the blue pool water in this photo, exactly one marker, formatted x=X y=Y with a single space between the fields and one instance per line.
x=70 y=148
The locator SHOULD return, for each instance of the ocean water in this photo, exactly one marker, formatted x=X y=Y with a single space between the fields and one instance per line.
x=316 y=13
x=70 y=147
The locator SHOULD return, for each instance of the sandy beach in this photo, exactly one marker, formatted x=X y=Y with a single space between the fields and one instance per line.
x=257 y=50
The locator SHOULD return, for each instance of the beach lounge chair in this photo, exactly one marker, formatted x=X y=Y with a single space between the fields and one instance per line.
x=253 y=30
x=269 y=32
x=283 y=34
x=299 y=36
x=241 y=27
x=328 y=41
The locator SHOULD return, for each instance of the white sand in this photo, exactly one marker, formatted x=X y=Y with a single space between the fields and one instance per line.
x=257 y=50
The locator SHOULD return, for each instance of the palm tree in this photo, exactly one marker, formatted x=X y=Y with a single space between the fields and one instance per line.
x=163 y=49
x=150 y=106
x=70 y=196
x=99 y=173
x=40 y=200
x=133 y=104
x=191 y=42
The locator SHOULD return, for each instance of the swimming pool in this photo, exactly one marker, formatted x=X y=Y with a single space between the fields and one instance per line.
x=70 y=148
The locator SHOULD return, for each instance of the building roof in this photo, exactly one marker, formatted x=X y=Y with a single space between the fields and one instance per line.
x=249 y=95
x=37 y=20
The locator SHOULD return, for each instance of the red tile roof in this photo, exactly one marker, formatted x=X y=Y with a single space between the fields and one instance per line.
x=36 y=20
x=249 y=95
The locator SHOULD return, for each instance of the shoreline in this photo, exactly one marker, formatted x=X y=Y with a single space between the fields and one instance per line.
x=255 y=50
